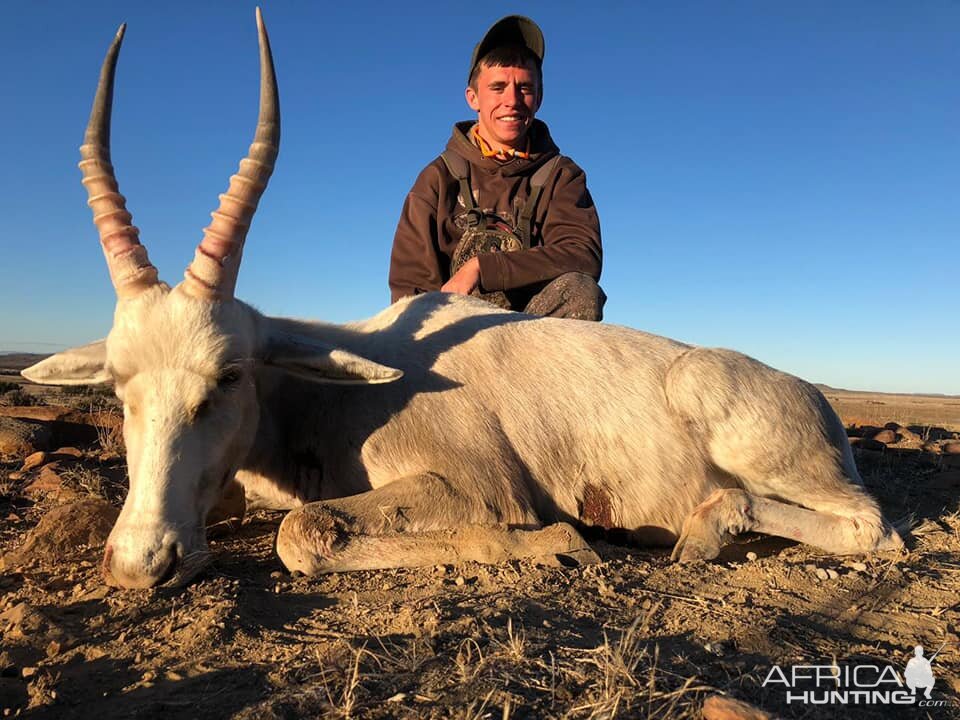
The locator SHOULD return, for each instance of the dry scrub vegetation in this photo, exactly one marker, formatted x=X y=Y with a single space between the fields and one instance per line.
x=633 y=637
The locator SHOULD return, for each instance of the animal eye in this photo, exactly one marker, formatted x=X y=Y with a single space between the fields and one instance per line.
x=200 y=410
x=230 y=376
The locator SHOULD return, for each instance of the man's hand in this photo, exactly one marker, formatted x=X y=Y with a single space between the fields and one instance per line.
x=465 y=280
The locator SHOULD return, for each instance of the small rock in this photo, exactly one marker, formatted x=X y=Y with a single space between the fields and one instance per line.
x=49 y=483
x=386 y=586
x=16 y=614
x=19 y=438
x=149 y=676
x=69 y=452
x=33 y=460
x=886 y=437
x=908 y=435
x=64 y=528
x=832 y=574
x=718 y=649
x=751 y=556
x=28 y=672
x=98 y=593
x=460 y=581
x=822 y=574
x=276 y=574
x=858 y=566
x=53 y=649
x=810 y=568
x=950 y=448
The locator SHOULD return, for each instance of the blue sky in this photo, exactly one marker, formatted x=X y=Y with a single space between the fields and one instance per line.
x=780 y=178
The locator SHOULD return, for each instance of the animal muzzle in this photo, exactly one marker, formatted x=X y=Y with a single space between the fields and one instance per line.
x=135 y=558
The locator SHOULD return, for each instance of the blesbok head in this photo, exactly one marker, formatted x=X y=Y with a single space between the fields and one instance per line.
x=184 y=359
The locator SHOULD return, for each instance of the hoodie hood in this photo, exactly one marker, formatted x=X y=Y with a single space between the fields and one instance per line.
x=542 y=148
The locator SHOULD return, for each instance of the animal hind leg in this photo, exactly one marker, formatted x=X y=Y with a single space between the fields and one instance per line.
x=729 y=512
x=417 y=521
x=780 y=439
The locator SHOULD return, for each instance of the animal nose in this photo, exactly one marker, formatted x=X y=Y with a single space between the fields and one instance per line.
x=118 y=573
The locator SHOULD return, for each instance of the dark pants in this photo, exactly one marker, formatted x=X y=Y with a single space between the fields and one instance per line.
x=572 y=295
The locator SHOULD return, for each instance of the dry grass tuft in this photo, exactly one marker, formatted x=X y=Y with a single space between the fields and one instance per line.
x=469 y=660
x=88 y=481
x=342 y=692
x=514 y=646
x=624 y=680
x=615 y=673
x=110 y=440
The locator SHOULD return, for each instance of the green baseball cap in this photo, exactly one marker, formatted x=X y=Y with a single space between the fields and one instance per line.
x=509 y=30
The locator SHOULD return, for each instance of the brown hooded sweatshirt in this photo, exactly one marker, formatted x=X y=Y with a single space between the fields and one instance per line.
x=566 y=229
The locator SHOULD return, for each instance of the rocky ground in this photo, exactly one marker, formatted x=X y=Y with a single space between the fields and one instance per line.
x=635 y=636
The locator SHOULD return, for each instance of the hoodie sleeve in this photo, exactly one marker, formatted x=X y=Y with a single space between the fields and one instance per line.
x=414 y=267
x=570 y=234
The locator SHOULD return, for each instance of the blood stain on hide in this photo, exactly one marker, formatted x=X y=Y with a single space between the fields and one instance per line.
x=595 y=507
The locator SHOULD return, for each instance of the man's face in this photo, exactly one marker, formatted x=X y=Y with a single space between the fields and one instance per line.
x=506 y=100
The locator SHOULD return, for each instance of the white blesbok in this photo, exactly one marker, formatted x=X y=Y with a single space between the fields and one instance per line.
x=442 y=429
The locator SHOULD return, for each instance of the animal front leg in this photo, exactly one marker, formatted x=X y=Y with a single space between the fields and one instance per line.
x=730 y=512
x=314 y=542
x=415 y=522
x=230 y=507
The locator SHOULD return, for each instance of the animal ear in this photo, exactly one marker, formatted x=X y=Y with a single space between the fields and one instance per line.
x=315 y=360
x=83 y=365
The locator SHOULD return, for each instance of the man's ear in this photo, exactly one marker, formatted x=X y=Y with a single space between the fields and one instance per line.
x=472 y=100
x=83 y=365
x=314 y=360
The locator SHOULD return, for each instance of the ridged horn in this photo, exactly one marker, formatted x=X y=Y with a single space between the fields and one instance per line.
x=130 y=269
x=213 y=273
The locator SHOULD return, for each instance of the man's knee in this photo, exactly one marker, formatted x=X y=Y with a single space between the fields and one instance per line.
x=572 y=295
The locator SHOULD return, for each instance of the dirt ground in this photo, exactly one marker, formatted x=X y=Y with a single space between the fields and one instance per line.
x=635 y=636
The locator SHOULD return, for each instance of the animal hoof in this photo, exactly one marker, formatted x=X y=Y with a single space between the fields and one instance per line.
x=307 y=538
x=691 y=550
